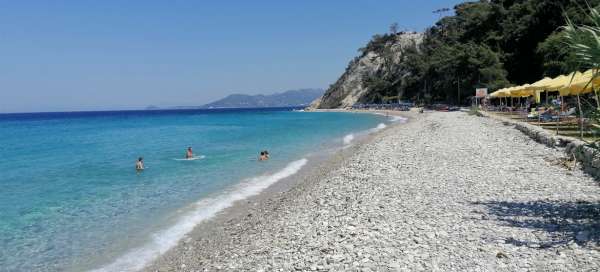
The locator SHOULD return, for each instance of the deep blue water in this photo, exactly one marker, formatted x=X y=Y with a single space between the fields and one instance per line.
x=70 y=198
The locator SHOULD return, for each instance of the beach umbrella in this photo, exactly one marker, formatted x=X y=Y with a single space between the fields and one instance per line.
x=570 y=89
x=496 y=93
x=559 y=83
x=582 y=83
x=585 y=84
x=541 y=84
x=500 y=93
x=508 y=92
x=522 y=91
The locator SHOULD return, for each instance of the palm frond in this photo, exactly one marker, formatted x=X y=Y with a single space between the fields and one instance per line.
x=584 y=39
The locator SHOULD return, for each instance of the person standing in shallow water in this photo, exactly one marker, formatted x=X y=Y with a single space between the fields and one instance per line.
x=189 y=153
x=264 y=155
x=139 y=165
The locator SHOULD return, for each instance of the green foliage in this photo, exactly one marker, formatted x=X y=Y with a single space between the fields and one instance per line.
x=557 y=58
x=378 y=43
x=392 y=78
x=455 y=70
x=484 y=44
x=584 y=39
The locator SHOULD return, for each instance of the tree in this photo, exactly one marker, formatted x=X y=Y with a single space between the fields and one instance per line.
x=468 y=65
x=557 y=59
x=486 y=43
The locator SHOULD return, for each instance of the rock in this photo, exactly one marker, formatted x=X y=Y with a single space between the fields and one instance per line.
x=349 y=88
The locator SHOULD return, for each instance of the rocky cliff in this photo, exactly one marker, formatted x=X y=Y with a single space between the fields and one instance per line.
x=349 y=88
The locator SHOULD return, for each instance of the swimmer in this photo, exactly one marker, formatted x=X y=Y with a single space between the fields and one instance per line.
x=189 y=154
x=263 y=156
x=139 y=165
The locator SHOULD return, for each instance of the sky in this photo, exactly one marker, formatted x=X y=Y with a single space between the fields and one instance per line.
x=102 y=55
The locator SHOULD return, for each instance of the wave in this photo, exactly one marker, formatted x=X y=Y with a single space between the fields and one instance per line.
x=393 y=118
x=204 y=209
x=378 y=127
x=401 y=119
x=348 y=138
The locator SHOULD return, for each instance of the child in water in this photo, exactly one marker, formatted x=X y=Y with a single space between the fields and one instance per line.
x=139 y=165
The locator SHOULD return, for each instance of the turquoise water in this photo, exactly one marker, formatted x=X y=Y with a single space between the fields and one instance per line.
x=70 y=198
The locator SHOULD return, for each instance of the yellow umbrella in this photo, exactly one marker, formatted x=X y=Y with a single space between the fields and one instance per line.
x=541 y=84
x=508 y=91
x=559 y=83
x=512 y=91
x=582 y=83
x=522 y=91
x=500 y=93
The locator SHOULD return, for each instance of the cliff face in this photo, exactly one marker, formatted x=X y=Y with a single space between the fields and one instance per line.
x=349 y=88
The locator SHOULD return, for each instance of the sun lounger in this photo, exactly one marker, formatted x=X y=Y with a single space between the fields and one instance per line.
x=570 y=112
x=533 y=114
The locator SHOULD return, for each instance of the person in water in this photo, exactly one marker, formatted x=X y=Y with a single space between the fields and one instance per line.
x=139 y=165
x=263 y=156
x=189 y=154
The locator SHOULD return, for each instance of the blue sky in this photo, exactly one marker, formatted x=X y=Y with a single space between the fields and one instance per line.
x=97 y=55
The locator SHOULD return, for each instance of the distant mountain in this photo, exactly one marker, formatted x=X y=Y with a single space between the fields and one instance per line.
x=152 y=107
x=291 y=98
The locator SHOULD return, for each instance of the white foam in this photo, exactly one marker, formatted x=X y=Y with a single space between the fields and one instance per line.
x=204 y=209
x=348 y=139
x=191 y=159
x=393 y=118
x=378 y=127
x=396 y=118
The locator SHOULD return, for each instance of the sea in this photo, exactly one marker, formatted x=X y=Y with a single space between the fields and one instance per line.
x=71 y=199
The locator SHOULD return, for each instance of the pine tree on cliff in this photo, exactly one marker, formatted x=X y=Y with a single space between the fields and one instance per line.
x=485 y=44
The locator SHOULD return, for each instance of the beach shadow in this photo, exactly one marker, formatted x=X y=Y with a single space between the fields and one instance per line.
x=555 y=223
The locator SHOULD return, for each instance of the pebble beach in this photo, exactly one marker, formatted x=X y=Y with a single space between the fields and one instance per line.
x=446 y=191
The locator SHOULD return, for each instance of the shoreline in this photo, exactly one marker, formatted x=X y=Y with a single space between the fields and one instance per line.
x=436 y=193
x=233 y=201
x=267 y=200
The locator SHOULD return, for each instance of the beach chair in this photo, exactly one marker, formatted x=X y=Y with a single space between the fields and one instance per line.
x=570 y=112
x=533 y=114
x=568 y=116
